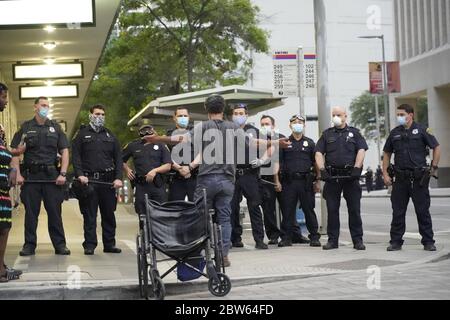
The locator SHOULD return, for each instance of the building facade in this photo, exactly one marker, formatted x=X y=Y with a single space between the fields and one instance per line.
x=422 y=44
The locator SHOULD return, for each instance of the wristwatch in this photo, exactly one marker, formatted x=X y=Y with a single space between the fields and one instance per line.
x=63 y=174
x=435 y=167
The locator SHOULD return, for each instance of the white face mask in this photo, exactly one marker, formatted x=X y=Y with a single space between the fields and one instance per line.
x=337 y=121
x=266 y=130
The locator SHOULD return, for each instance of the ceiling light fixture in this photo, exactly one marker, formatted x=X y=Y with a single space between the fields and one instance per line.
x=34 y=13
x=49 y=60
x=69 y=70
x=49 y=45
x=55 y=91
x=49 y=29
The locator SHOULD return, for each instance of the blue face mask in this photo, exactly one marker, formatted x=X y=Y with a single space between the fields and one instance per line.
x=401 y=120
x=297 y=128
x=43 y=112
x=240 y=120
x=183 y=121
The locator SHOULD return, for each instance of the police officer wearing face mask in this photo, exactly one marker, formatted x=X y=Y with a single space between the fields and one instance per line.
x=247 y=176
x=97 y=158
x=181 y=186
x=410 y=142
x=298 y=175
x=43 y=138
x=340 y=153
x=150 y=162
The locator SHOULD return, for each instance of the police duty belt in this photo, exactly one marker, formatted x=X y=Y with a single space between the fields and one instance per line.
x=54 y=181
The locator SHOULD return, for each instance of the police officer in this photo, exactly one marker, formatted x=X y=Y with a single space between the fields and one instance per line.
x=182 y=154
x=150 y=162
x=340 y=152
x=379 y=184
x=247 y=180
x=369 y=179
x=298 y=176
x=271 y=186
x=410 y=142
x=97 y=158
x=43 y=138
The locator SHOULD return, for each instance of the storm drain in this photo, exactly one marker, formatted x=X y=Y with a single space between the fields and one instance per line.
x=358 y=264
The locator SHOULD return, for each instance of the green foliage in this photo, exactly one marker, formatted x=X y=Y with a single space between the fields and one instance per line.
x=166 y=47
x=363 y=116
x=421 y=115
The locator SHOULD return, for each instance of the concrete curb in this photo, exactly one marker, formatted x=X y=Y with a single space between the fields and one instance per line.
x=127 y=289
x=388 y=196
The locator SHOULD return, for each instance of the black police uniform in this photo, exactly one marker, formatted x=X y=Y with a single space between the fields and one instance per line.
x=97 y=156
x=340 y=147
x=247 y=182
x=410 y=147
x=43 y=142
x=297 y=165
x=180 y=187
x=146 y=157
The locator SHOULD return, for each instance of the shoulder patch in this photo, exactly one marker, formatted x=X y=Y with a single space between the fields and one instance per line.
x=429 y=131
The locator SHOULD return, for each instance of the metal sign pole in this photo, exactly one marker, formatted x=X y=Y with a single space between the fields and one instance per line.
x=301 y=95
x=322 y=85
x=377 y=119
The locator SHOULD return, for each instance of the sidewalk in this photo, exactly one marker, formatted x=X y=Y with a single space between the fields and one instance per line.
x=114 y=276
x=434 y=193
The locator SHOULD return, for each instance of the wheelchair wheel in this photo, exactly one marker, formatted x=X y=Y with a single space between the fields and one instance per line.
x=221 y=288
x=159 y=290
x=142 y=268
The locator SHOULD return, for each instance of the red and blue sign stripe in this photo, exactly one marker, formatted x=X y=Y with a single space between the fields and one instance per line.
x=310 y=56
x=285 y=56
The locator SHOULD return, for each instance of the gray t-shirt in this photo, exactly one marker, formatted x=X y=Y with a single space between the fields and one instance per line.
x=218 y=139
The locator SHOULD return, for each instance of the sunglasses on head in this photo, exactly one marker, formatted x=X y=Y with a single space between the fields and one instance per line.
x=146 y=131
x=297 y=117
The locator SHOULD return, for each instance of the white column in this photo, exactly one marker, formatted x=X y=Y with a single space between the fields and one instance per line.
x=398 y=31
x=407 y=28
x=439 y=122
x=435 y=23
x=447 y=10
x=420 y=26
x=412 y=14
x=428 y=25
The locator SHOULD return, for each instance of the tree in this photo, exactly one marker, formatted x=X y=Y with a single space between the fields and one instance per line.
x=208 y=34
x=363 y=115
x=166 y=47
x=362 y=110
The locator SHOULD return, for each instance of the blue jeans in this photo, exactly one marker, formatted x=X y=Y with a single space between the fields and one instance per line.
x=219 y=192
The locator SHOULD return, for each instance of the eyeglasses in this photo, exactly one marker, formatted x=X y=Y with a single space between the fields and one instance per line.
x=297 y=117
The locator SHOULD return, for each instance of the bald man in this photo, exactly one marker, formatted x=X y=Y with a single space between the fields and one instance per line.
x=339 y=156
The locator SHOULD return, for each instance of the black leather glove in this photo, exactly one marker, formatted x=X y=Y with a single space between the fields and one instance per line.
x=324 y=175
x=356 y=173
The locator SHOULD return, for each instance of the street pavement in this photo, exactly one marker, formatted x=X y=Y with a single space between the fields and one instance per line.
x=297 y=272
